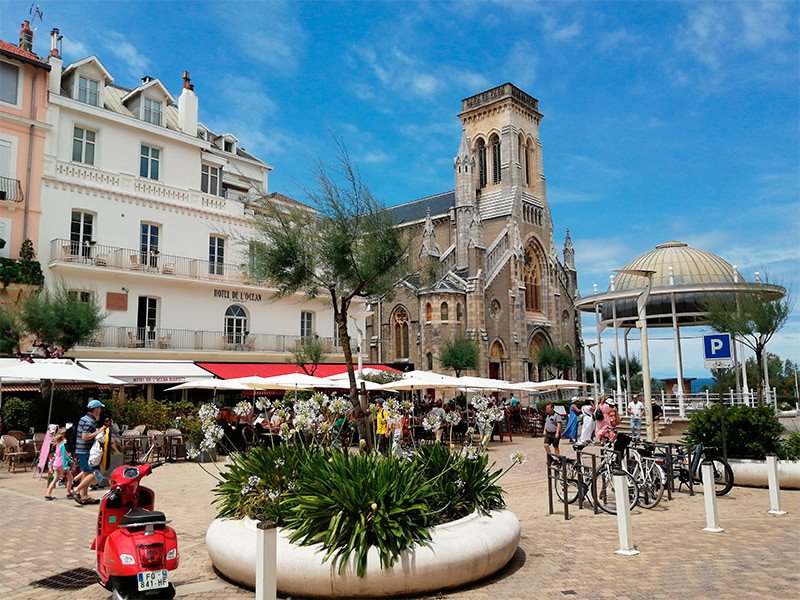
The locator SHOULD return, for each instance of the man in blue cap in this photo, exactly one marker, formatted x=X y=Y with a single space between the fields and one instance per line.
x=86 y=434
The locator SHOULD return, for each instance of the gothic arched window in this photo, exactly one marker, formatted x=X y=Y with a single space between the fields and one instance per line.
x=445 y=312
x=532 y=277
x=400 y=332
x=429 y=360
x=527 y=165
x=459 y=312
x=428 y=312
x=496 y=175
x=482 y=166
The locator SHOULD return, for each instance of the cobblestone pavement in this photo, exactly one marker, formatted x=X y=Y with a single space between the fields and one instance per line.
x=755 y=557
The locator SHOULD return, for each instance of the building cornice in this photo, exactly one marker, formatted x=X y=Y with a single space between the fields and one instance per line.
x=11 y=118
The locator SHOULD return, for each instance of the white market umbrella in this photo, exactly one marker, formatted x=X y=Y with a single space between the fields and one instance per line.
x=210 y=384
x=342 y=381
x=416 y=380
x=485 y=384
x=550 y=384
x=55 y=371
x=289 y=381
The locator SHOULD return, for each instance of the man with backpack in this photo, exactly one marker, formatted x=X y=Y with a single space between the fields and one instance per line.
x=87 y=433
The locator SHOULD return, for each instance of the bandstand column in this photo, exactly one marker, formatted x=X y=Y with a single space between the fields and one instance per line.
x=678 y=355
x=623 y=404
x=599 y=346
x=627 y=365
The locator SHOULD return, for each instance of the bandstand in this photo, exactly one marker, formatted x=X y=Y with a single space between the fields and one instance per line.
x=682 y=280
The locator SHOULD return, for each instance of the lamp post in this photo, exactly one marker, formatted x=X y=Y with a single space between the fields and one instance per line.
x=641 y=308
x=594 y=368
x=361 y=316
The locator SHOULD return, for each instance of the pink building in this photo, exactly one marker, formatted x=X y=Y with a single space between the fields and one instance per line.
x=23 y=125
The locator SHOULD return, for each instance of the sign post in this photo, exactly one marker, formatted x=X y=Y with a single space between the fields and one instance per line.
x=718 y=354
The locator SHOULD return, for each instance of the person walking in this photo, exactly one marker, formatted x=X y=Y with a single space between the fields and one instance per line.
x=381 y=429
x=635 y=411
x=571 y=430
x=658 y=412
x=438 y=413
x=62 y=465
x=552 y=429
x=86 y=434
x=587 y=422
x=602 y=417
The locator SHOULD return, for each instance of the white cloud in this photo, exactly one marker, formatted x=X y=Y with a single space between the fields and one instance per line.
x=596 y=260
x=617 y=39
x=118 y=45
x=375 y=157
x=522 y=63
x=425 y=84
x=73 y=49
x=567 y=32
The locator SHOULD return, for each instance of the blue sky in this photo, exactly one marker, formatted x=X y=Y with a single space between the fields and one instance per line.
x=663 y=120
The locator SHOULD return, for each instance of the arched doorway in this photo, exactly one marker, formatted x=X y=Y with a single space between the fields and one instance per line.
x=497 y=356
x=538 y=341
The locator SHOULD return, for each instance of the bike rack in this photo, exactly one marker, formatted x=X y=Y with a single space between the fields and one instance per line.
x=557 y=472
x=586 y=473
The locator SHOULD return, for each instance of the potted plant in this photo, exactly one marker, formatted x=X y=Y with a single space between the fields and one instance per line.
x=192 y=429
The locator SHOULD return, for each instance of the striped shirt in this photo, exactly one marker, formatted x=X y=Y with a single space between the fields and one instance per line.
x=87 y=424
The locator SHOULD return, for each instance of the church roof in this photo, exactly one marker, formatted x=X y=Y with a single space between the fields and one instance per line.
x=417 y=210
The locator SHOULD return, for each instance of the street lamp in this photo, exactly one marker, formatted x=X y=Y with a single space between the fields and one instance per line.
x=594 y=369
x=641 y=308
x=361 y=318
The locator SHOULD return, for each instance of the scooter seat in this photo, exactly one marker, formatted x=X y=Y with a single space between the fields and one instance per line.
x=140 y=516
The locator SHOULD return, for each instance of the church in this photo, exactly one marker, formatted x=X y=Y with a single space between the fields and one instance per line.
x=483 y=259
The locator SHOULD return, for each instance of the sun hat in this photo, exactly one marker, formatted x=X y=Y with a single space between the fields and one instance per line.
x=612 y=402
x=95 y=404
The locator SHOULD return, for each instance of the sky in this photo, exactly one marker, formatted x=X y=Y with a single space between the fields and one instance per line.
x=662 y=120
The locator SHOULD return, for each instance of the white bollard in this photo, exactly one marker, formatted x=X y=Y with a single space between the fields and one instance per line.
x=266 y=561
x=710 y=495
x=774 y=486
x=626 y=547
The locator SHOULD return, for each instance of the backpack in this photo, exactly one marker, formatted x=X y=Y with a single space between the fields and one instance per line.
x=599 y=415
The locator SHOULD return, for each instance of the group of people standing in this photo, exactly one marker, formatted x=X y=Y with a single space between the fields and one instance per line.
x=588 y=420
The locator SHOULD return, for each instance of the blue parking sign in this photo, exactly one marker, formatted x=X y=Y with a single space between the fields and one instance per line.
x=717 y=346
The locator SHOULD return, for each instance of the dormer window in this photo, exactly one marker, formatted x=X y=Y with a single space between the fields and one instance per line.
x=151 y=111
x=228 y=146
x=88 y=91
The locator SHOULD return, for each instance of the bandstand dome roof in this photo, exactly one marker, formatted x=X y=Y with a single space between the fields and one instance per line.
x=689 y=266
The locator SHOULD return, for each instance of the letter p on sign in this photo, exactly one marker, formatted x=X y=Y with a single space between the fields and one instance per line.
x=717 y=350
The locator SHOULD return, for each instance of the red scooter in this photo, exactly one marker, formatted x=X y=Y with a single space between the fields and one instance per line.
x=135 y=547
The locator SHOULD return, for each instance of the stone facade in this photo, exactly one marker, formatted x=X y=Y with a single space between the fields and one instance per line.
x=484 y=263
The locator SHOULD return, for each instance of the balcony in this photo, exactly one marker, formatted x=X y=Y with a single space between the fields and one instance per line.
x=190 y=339
x=10 y=190
x=100 y=256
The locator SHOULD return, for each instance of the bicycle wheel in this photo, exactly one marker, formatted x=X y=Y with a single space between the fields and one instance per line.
x=606 y=496
x=723 y=476
x=572 y=490
x=651 y=485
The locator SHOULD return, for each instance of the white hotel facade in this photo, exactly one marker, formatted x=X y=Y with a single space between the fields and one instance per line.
x=151 y=213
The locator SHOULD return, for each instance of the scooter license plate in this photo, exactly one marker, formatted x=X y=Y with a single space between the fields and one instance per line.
x=151 y=580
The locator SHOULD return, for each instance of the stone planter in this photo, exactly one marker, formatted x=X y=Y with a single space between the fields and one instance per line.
x=754 y=473
x=459 y=553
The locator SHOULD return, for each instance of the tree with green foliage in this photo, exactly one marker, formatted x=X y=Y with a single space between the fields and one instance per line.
x=459 y=354
x=781 y=377
x=307 y=354
x=555 y=361
x=58 y=319
x=753 y=320
x=634 y=368
x=347 y=248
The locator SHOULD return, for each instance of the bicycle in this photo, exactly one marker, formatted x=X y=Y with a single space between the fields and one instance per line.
x=686 y=468
x=648 y=474
x=603 y=483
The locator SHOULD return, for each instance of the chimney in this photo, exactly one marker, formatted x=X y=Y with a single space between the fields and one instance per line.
x=146 y=79
x=26 y=36
x=55 y=43
x=188 y=107
x=55 y=62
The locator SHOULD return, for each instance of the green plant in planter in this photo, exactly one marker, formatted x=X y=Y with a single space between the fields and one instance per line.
x=790 y=447
x=752 y=432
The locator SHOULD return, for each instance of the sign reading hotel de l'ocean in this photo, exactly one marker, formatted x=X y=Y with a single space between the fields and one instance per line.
x=237 y=295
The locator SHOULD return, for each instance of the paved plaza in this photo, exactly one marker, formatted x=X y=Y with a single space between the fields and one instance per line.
x=755 y=557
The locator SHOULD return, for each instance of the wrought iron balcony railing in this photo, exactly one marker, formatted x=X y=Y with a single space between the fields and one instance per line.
x=10 y=190
x=101 y=256
x=190 y=339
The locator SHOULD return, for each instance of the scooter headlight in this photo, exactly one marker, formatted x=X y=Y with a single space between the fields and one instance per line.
x=127 y=559
x=172 y=554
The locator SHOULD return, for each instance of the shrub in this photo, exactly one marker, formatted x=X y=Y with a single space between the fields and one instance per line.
x=751 y=432
x=790 y=447
x=17 y=413
x=156 y=414
x=351 y=502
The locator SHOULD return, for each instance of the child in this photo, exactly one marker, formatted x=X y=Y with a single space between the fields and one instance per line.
x=62 y=464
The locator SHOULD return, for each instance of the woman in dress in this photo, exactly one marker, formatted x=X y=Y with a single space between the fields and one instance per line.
x=570 y=432
x=61 y=466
